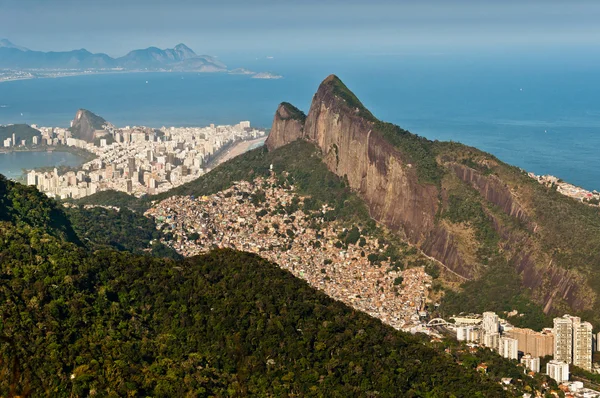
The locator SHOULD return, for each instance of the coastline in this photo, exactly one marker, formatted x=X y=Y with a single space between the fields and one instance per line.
x=234 y=150
x=252 y=75
x=82 y=153
x=90 y=73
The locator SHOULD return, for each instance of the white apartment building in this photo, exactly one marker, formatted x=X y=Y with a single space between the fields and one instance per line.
x=582 y=345
x=509 y=348
x=531 y=363
x=491 y=340
x=573 y=341
x=558 y=370
x=465 y=333
x=490 y=322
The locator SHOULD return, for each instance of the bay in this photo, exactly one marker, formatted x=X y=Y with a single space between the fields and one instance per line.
x=12 y=164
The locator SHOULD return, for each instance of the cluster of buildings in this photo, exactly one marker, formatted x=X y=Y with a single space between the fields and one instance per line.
x=266 y=218
x=48 y=136
x=567 y=189
x=139 y=160
x=9 y=74
x=570 y=342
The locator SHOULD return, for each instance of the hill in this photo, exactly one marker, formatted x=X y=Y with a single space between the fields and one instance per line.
x=180 y=57
x=464 y=207
x=81 y=323
x=21 y=132
x=23 y=205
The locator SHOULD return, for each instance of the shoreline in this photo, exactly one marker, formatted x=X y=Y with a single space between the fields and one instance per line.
x=83 y=73
x=82 y=153
x=234 y=150
x=253 y=75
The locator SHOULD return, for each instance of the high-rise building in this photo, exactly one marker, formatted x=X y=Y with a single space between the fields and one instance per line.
x=582 y=345
x=491 y=340
x=465 y=333
x=538 y=344
x=563 y=339
x=130 y=166
x=558 y=370
x=32 y=178
x=490 y=323
x=531 y=363
x=573 y=341
x=509 y=348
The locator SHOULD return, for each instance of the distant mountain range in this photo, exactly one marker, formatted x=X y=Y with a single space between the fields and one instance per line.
x=179 y=58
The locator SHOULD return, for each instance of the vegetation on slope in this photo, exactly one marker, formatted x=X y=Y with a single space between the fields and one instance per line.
x=339 y=89
x=21 y=132
x=419 y=151
x=123 y=230
x=567 y=233
x=224 y=324
x=295 y=113
x=21 y=204
x=114 y=198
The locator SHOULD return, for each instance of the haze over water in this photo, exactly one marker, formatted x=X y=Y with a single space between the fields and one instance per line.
x=536 y=111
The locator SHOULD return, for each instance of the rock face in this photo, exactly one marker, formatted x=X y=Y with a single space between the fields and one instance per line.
x=354 y=149
x=374 y=168
x=87 y=125
x=288 y=126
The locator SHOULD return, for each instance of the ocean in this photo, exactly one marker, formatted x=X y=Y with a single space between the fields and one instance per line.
x=538 y=111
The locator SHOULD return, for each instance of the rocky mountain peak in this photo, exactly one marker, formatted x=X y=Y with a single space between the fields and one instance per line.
x=334 y=91
x=85 y=125
x=288 y=126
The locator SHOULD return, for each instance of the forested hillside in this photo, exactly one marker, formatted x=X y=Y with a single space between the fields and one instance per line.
x=108 y=323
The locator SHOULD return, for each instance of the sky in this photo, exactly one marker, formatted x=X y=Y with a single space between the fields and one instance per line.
x=263 y=27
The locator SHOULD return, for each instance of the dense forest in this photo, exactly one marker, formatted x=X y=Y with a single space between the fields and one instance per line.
x=77 y=321
x=125 y=230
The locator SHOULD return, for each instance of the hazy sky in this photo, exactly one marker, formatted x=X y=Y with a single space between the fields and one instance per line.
x=301 y=26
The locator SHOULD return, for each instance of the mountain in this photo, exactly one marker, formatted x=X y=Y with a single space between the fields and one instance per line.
x=81 y=322
x=153 y=57
x=87 y=125
x=77 y=59
x=179 y=58
x=463 y=207
x=4 y=43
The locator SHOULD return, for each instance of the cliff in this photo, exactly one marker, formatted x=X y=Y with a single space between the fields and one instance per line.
x=459 y=205
x=288 y=126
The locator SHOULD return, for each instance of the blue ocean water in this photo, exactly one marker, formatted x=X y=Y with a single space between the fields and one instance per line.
x=538 y=111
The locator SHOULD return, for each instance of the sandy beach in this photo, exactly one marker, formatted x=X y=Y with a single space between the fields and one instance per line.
x=236 y=150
